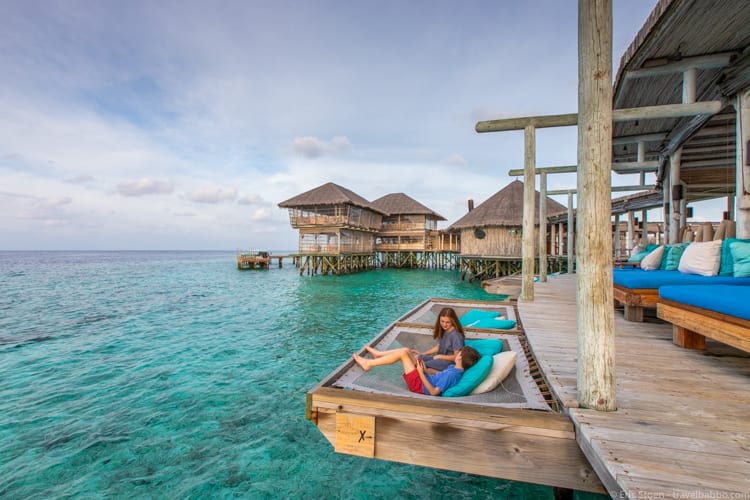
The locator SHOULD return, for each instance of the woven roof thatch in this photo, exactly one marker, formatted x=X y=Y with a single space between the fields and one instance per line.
x=329 y=194
x=504 y=208
x=400 y=203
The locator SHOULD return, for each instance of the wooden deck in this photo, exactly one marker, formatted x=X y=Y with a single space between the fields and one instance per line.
x=682 y=428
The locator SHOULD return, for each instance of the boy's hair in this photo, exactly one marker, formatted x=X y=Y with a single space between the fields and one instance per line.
x=469 y=357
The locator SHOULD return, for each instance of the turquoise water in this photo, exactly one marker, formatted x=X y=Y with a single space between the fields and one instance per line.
x=174 y=375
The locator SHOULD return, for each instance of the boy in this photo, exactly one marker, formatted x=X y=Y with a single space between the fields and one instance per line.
x=414 y=369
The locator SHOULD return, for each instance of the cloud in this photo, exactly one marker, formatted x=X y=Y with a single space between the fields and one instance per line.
x=261 y=214
x=144 y=186
x=46 y=208
x=250 y=199
x=213 y=195
x=312 y=147
x=456 y=160
x=80 y=179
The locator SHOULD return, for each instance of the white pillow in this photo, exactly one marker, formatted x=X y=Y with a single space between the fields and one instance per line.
x=652 y=261
x=701 y=258
x=502 y=364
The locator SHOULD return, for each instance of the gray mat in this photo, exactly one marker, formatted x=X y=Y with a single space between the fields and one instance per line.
x=518 y=390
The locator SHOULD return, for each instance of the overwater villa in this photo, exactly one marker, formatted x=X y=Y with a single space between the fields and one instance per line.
x=654 y=409
x=409 y=236
x=341 y=232
x=491 y=234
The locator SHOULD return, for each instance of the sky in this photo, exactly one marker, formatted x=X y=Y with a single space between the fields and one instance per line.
x=181 y=125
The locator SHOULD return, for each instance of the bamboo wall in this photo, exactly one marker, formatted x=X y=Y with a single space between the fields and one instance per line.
x=335 y=215
x=335 y=241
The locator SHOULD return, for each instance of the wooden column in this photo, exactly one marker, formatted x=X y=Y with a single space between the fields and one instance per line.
x=644 y=229
x=529 y=190
x=674 y=188
x=631 y=231
x=742 y=198
x=543 y=227
x=595 y=314
x=616 y=246
x=571 y=234
x=553 y=240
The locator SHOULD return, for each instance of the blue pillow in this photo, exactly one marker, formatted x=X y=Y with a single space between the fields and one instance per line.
x=672 y=254
x=639 y=256
x=741 y=256
x=650 y=248
x=477 y=318
x=726 y=266
x=477 y=373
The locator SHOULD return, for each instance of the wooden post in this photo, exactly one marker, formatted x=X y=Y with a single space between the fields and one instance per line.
x=543 y=227
x=571 y=234
x=617 y=235
x=742 y=200
x=529 y=190
x=644 y=229
x=674 y=204
x=596 y=334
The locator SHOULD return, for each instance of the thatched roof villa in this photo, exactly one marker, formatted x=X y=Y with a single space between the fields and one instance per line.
x=494 y=228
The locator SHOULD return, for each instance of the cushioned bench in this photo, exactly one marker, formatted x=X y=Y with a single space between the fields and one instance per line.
x=719 y=312
x=636 y=289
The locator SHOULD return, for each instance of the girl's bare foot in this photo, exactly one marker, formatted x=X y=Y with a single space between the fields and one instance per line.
x=362 y=362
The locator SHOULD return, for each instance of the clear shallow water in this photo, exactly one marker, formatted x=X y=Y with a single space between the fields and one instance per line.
x=174 y=375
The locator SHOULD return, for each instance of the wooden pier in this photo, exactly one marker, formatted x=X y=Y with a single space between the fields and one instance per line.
x=255 y=259
x=681 y=429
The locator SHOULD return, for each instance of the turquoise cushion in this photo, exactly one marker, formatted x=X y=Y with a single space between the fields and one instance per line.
x=639 y=256
x=671 y=258
x=477 y=318
x=486 y=347
x=726 y=267
x=650 y=248
x=741 y=255
x=477 y=373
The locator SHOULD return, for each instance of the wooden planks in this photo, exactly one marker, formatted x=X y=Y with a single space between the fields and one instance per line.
x=681 y=429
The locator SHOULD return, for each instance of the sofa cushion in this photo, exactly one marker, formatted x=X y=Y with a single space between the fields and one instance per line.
x=672 y=255
x=701 y=258
x=726 y=267
x=652 y=261
x=741 y=256
x=502 y=364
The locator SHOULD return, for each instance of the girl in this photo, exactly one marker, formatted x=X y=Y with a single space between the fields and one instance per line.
x=450 y=335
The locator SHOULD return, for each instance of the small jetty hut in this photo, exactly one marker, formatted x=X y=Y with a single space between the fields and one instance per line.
x=491 y=234
x=337 y=229
x=409 y=236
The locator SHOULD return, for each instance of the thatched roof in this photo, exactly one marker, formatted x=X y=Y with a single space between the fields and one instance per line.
x=329 y=194
x=504 y=208
x=677 y=32
x=399 y=203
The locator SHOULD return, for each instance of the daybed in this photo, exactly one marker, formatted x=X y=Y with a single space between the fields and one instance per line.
x=702 y=263
x=720 y=312
x=637 y=289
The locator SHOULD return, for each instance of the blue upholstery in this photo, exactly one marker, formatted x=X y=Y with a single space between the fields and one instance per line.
x=477 y=318
x=726 y=268
x=477 y=373
x=731 y=300
x=638 y=278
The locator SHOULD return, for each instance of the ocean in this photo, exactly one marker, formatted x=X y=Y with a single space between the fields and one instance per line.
x=175 y=375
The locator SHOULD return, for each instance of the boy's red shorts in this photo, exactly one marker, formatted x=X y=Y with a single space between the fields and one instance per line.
x=414 y=382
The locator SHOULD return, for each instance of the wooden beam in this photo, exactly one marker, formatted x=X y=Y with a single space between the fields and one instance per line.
x=710 y=61
x=545 y=121
x=566 y=169
x=618 y=115
x=645 y=187
x=667 y=111
x=633 y=139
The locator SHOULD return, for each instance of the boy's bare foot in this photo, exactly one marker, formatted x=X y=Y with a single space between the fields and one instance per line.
x=375 y=353
x=362 y=362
